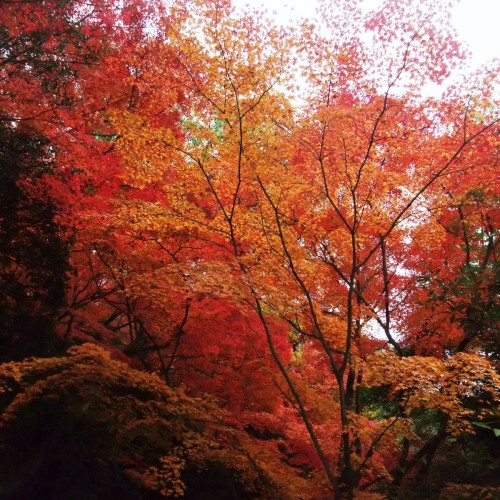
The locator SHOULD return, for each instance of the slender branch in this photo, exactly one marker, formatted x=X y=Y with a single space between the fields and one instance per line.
x=179 y=333
x=387 y=308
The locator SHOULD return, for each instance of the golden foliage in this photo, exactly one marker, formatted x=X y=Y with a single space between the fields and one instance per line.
x=436 y=384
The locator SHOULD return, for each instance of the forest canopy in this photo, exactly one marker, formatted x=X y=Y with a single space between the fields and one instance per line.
x=246 y=260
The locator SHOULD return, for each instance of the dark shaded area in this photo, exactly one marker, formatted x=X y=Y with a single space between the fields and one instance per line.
x=87 y=427
x=33 y=257
x=215 y=482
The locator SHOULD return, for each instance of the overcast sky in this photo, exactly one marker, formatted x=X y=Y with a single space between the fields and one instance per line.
x=476 y=20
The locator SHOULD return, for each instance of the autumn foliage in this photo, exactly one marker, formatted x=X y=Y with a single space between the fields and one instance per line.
x=245 y=260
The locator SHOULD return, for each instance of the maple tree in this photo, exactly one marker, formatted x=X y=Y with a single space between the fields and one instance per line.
x=274 y=216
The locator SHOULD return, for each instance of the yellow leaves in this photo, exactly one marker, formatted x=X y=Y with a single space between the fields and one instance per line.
x=167 y=478
x=441 y=385
x=334 y=330
x=150 y=153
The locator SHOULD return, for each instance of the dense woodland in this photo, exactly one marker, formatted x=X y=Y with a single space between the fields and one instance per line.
x=242 y=260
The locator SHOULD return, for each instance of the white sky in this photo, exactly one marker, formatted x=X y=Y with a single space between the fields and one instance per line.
x=477 y=22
